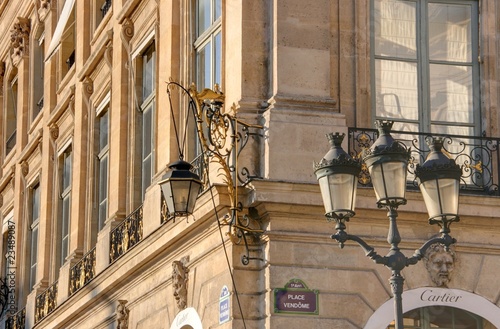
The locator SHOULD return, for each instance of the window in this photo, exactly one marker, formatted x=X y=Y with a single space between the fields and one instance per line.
x=102 y=141
x=35 y=219
x=102 y=7
x=147 y=108
x=64 y=38
x=442 y=317
x=37 y=76
x=11 y=116
x=68 y=40
x=65 y=207
x=425 y=70
x=208 y=43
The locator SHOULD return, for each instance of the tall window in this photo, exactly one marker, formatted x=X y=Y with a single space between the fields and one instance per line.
x=148 y=88
x=68 y=41
x=65 y=199
x=35 y=219
x=11 y=116
x=426 y=75
x=208 y=43
x=102 y=7
x=37 y=76
x=103 y=165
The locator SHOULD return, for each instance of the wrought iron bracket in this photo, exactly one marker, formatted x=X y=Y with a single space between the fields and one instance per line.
x=222 y=136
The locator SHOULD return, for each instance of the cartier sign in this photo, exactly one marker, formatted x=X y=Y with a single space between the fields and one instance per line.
x=441 y=296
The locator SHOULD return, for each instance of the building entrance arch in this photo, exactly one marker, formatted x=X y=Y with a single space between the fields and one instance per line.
x=433 y=296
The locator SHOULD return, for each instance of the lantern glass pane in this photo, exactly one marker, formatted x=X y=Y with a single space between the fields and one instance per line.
x=193 y=195
x=441 y=197
x=389 y=180
x=339 y=193
x=166 y=188
x=181 y=189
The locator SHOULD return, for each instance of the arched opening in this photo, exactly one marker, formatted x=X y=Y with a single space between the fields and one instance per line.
x=444 y=317
x=423 y=306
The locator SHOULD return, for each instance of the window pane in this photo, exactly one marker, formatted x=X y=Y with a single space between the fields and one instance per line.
x=395 y=28
x=66 y=170
x=146 y=175
x=218 y=58
x=203 y=16
x=103 y=130
x=204 y=67
x=450 y=32
x=148 y=72
x=218 y=9
x=35 y=208
x=103 y=179
x=147 y=132
x=451 y=93
x=396 y=89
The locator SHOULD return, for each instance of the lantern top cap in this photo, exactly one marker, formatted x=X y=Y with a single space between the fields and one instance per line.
x=438 y=164
x=385 y=146
x=337 y=157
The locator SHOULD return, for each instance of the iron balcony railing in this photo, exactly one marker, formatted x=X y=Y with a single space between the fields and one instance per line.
x=126 y=235
x=17 y=321
x=478 y=156
x=46 y=302
x=82 y=272
x=105 y=7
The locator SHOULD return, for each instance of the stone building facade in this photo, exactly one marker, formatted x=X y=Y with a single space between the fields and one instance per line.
x=86 y=134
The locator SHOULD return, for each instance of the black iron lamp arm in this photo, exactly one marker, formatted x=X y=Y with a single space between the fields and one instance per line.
x=341 y=237
x=445 y=240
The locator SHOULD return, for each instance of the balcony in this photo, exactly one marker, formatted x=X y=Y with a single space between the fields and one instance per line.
x=478 y=156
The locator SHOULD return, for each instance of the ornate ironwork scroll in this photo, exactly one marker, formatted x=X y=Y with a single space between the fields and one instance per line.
x=479 y=157
x=4 y=295
x=46 y=302
x=82 y=272
x=126 y=235
x=221 y=137
x=17 y=321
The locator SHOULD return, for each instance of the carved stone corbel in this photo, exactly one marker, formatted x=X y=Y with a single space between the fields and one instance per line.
x=19 y=39
x=88 y=90
x=25 y=168
x=179 y=281
x=43 y=8
x=54 y=131
x=122 y=315
x=127 y=32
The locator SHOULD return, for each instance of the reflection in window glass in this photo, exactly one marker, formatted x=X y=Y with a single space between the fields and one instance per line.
x=424 y=74
x=442 y=317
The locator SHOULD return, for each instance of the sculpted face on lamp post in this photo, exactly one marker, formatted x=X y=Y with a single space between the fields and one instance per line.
x=440 y=264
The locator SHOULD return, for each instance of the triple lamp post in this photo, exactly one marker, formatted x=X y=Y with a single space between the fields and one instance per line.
x=387 y=161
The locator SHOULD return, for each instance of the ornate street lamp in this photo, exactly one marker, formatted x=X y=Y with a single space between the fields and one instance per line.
x=221 y=137
x=387 y=162
x=180 y=187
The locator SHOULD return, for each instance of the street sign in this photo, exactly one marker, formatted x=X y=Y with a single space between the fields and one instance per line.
x=296 y=298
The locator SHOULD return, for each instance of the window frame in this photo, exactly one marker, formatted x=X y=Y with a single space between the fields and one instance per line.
x=38 y=72
x=423 y=63
x=102 y=153
x=208 y=36
x=147 y=106
x=35 y=194
x=64 y=218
